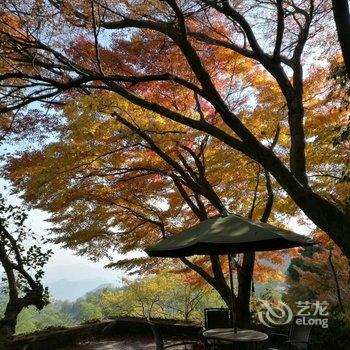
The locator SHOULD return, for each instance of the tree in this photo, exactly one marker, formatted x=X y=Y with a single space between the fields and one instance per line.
x=88 y=311
x=18 y=262
x=341 y=15
x=323 y=276
x=157 y=178
x=144 y=297
x=299 y=263
x=180 y=39
x=50 y=316
x=26 y=322
x=165 y=295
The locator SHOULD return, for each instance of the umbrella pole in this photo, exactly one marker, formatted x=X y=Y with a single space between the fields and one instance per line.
x=233 y=304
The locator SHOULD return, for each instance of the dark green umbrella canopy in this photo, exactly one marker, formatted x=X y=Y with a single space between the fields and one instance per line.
x=227 y=235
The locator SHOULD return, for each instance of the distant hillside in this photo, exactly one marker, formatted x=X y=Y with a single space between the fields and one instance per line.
x=71 y=290
x=102 y=286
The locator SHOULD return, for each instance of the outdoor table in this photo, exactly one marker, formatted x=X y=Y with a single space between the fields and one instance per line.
x=243 y=336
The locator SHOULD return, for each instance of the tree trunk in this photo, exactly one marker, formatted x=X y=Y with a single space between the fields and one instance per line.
x=242 y=300
x=224 y=291
x=342 y=22
x=334 y=272
x=326 y=215
x=8 y=324
x=297 y=147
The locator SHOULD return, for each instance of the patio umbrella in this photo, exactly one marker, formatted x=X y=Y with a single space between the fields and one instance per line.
x=226 y=235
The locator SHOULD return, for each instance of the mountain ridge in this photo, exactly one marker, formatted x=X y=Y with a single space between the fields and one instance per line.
x=72 y=290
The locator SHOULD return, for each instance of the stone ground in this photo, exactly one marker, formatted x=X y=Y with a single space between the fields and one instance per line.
x=118 y=345
x=123 y=345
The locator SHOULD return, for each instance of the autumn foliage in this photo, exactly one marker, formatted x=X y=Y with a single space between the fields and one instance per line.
x=152 y=115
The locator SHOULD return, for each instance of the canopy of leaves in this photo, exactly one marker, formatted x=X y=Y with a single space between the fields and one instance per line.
x=107 y=188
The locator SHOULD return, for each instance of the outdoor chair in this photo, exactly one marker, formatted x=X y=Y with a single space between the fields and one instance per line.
x=297 y=339
x=162 y=344
x=217 y=318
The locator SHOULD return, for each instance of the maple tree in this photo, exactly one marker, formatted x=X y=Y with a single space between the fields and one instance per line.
x=191 y=72
x=150 y=53
x=124 y=182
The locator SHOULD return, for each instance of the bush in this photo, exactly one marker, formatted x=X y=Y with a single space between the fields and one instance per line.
x=336 y=336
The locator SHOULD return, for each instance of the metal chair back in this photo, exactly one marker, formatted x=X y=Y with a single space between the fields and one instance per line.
x=217 y=318
x=300 y=334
